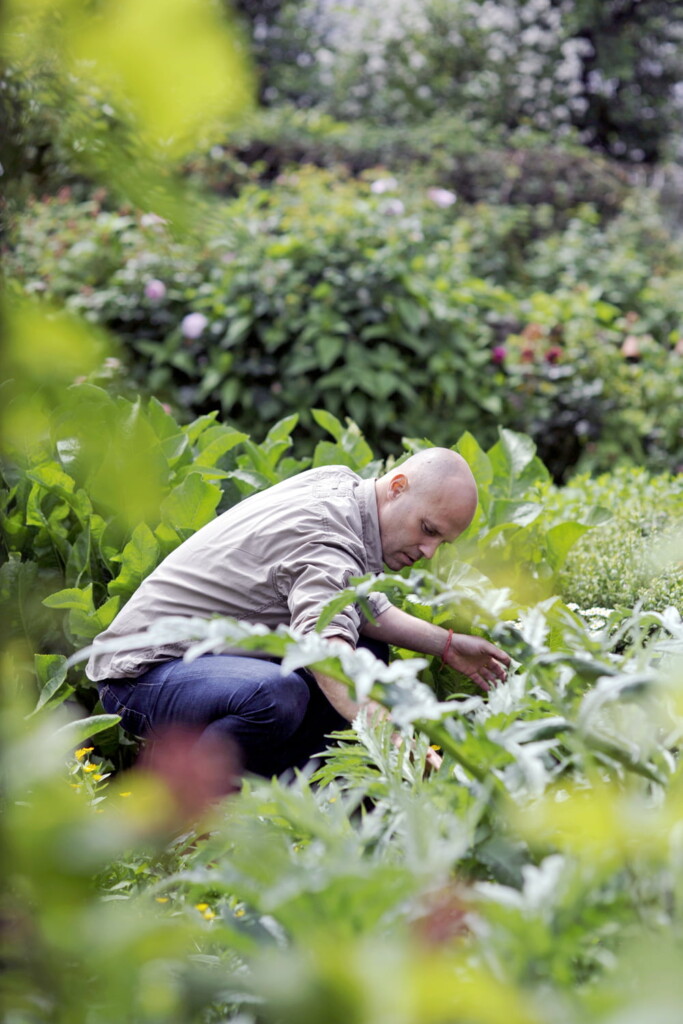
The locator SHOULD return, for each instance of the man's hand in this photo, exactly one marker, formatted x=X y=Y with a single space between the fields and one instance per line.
x=478 y=659
x=483 y=662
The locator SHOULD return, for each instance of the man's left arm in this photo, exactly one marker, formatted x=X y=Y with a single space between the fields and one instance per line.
x=477 y=658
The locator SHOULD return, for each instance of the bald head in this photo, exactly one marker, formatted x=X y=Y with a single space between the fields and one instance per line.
x=429 y=498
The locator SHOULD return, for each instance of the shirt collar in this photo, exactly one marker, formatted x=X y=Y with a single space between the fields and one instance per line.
x=367 y=503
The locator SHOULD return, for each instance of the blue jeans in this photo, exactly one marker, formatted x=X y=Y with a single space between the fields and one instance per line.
x=278 y=721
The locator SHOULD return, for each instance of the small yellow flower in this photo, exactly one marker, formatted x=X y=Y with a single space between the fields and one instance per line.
x=75 y=785
x=202 y=906
x=240 y=912
x=435 y=746
x=98 y=778
x=125 y=794
x=208 y=915
x=161 y=899
x=90 y=767
x=80 y=754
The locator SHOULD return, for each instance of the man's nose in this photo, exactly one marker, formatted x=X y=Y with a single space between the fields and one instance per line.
x=428 y=547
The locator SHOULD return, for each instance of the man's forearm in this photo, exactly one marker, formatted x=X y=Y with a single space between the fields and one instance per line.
x=341 y=700
x=397 y=627
x=339 y=695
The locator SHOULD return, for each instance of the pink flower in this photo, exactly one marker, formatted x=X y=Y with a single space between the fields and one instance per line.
x=393 y=208
x=442 y=197
x=382 y=185
x=155 y=289
x=554 y=354
x=498 y=354
x=194 y=325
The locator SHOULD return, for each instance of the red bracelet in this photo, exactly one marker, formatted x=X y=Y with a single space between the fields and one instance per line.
x=446 y=647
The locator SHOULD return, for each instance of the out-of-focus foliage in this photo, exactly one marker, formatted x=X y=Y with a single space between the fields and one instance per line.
x=608 y=68
x=391 y=302
x=523 y=882
x=480 y=162
x=118 y=90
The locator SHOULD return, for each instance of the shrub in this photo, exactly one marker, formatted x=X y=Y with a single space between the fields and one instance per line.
x=593 y=388
x=323 y=293
x=608 y=69
x=394 y=304
x=633 y=557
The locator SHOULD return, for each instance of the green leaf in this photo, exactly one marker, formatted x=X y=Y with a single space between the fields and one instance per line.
x=328 y=422
x=78 y=562
x=51 y=477
x=190 y=505
x=216 y=443
x=237 y=330
x=476 y=458
x=519 y=513
x=343 y=599
x=51 y=674
x=282 y=430
x=198 y=426
x=560 y=539
x=138 y=558
x=76 y=598
x=512 y=453
x=75 y=733
x=328 y=348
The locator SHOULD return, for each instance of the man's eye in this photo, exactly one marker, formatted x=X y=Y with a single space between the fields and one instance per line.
x=428 y=530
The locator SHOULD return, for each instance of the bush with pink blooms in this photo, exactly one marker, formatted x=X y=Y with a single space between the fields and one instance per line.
x=396 y=304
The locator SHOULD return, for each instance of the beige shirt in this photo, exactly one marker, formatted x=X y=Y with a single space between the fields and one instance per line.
x=275 y=558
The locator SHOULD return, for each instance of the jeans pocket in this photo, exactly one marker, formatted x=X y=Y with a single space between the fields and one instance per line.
x=114 y=696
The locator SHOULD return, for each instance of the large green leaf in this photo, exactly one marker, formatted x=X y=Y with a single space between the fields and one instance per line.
x=74 y=733
x=282 y=430
x=138 y=558
x=215 y=443
x=328 y=422
x=190 y=505
x=560 y=539
x=51 y=673
x=511 y=455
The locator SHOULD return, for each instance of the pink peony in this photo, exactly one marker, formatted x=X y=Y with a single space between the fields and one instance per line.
x=155 y=289
x=442 y=197
x=194 y=325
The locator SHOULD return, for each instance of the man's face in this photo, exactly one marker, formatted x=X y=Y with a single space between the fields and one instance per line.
x=414 y=521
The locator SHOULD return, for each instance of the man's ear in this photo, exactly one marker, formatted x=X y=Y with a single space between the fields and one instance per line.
x=397 y=485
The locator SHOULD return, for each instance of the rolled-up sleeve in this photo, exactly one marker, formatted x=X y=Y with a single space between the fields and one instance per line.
x=310 y=584
x=379 y=603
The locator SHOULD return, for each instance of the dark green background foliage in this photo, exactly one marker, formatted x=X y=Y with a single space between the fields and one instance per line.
x=367 y=298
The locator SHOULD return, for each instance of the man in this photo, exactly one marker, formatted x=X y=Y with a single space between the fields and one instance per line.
x=278 y=557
